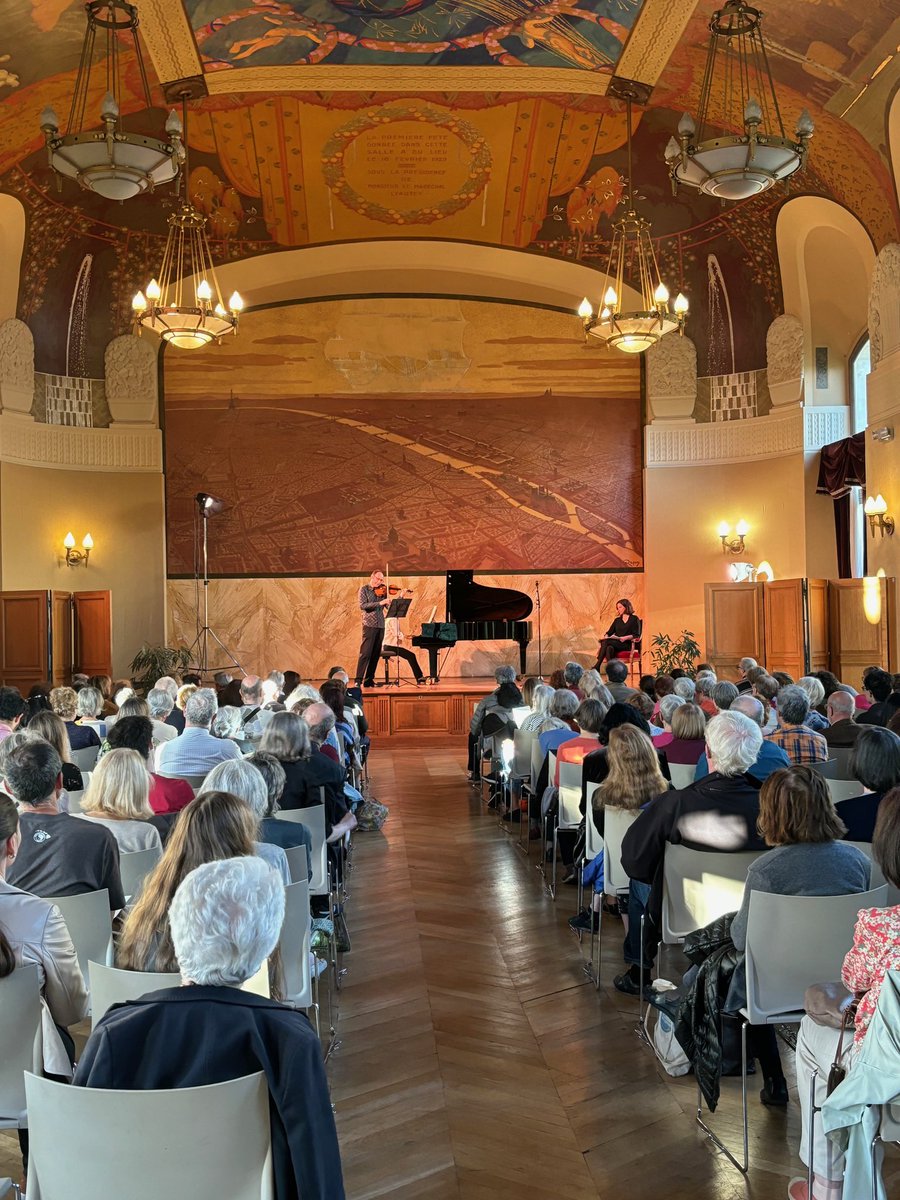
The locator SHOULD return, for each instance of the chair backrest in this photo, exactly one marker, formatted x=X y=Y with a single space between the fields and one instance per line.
x=84 y=1142
x=20 y=1023
x=844 y=789
x=569 y=794
x=537 y=760
x=793 y=941
x=298 y=862
x=522 y=746
x=698 y=886
x=135 y=866
x=196 y=781
x=111 y=985
x=314 y=820
x=593 y=842
x=841 y=755
x=551 y=767
x=295 y=944
x=877 y=877
x=616 y=823
x=86 y=759
x=682 y=774
x=828 y=770
x=89 y=923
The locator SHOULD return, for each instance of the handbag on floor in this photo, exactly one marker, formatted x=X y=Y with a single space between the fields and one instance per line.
x=371 y=815
x=667 y=1046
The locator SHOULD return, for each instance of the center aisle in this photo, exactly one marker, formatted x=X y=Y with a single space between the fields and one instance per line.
x=476 y=1060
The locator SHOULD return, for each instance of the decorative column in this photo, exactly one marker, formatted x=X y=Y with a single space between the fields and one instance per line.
x=672 y=381
x=131 y=382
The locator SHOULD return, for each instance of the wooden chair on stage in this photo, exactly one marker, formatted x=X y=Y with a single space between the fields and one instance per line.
x=632 y=657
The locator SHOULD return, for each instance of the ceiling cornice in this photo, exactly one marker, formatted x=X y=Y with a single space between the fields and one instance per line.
x=654 y=37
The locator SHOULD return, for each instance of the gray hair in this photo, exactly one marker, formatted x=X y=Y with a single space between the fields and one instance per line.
x=200 y=708
x=724 y=694
x=747 y=664
x=123 y=694
x=227 y=722
x=167 y=684
x=839 y=702
x=273 y=773
x=505 y=675
x=814 y=688
x=667 y=706
x=616 y=672
x=286 y=737
x=225 y=920
x=572 y=672
x=251 y=689
x=13 y=741
x=540 y=700
x=241 y=779
x=276 y=677
x=733 y=742
x=89 y=702
x=564 y=704
x=793 y=705
x=303 y=691
x=160 y=702
x=32 y=770
x=686 y=689
x=750 y=706
x=705 y=682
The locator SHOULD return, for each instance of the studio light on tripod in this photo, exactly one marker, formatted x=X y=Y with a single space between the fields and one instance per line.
x=210 y=506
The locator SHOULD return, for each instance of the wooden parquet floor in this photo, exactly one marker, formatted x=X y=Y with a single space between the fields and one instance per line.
x=477 y=1060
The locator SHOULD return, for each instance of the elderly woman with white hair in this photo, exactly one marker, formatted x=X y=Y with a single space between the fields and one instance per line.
x=815 y=690
x=64 y=702
x=717 y=813
x=540 y=709
x=225 y=920
x=240 y=778
x=667 y=707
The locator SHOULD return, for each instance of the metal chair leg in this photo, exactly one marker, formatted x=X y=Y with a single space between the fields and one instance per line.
x=553 y=884
x=811 y=1133
x=744 y=1165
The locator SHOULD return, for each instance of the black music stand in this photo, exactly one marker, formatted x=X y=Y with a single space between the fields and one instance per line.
x=397 y=609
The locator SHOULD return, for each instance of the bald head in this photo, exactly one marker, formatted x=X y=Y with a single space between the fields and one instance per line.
x=840 y=707
x=320 y=720
x=251 y=689
x=750 y=707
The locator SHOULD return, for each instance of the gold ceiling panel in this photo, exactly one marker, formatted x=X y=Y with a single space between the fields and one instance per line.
x=653 y=39
x=169 y=40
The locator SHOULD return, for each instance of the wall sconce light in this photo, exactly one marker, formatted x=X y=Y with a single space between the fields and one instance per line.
x=876 y=511
x=733 y=545
x=884 y=433
x=75 y=557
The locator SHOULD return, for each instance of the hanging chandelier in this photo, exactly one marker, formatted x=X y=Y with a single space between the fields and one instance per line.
x=183 y=304
x=735 y=167
x=632 y=249
x=113 y=162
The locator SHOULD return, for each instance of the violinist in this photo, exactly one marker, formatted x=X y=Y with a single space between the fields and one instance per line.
x=373 y=603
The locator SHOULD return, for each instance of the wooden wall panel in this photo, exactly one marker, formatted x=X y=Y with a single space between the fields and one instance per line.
x=93 y=633
x=24 y=638
x=855 y=642
x=819 y=626
x=784 y=626
x=448 y=712
x=60 y=638
x=735 y=625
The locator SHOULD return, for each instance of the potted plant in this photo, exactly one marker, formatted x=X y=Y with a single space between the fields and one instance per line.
x=667 y=654
x=152 y=662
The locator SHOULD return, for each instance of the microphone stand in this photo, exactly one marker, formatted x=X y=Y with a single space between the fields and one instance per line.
x=537 y=594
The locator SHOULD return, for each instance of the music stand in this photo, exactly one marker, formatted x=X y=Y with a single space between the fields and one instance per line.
x=397 y=609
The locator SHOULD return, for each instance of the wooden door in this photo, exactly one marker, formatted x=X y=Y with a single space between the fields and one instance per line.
x=818 y=626
x=24 y=638
x=785 y=609
x=60 y=638
x=856 y=642
x=735 y=625
x=92 y=633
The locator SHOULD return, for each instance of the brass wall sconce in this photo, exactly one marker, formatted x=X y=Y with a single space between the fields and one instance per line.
x=876 y=511
x=75 y=557
x=733 y=545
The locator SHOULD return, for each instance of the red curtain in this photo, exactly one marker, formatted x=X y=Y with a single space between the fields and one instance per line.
x=842 y=466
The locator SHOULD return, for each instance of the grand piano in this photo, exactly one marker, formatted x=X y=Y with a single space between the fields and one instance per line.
x=480 y=614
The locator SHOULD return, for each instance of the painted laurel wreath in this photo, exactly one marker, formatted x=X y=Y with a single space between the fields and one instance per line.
x=477 y=179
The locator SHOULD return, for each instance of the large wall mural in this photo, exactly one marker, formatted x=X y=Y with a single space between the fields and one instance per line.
x=430 y=433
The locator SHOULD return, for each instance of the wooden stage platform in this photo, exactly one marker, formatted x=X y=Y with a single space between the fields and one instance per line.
x=441 y=708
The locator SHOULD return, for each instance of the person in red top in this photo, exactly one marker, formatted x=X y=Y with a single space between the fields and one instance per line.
x=136 y=733
x=705 y=683
x=588 y=717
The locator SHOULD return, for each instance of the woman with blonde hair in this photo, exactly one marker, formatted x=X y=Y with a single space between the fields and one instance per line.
x=64 y=702
x=634 y=776
x=118 y=797
x=214 y=826
x=52 y=729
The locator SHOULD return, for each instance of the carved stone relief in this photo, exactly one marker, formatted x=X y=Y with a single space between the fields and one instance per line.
x=16 y=367
x=884 y=303
x=784 y=360
x=131 y=390
x=672 y=380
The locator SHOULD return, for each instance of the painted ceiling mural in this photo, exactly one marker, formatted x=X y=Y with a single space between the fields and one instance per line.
x=286 y=152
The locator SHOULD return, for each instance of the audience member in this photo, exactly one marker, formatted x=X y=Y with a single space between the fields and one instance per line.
x=136 y=733
x=667 y=707
x=663 y=685
x=878 y=685
x=648 y=709
x=226 y=723
x=589 y=718
x=504 y=674
x=875 y=762
x=704 y=684
x=160 y=703
x=52 y=729
x=800 y=743
x=688 y=725
x=320 y=719
x=686 y=689
x=104 y=685
x=64 y=701
x=842 y=727
x=816 y=719
x=333 y=693
x=12 y=708
x=540 y=709
x=311 y=778
x=783 y=679
x=176 y=717
x=572 y=673
x=745 y=666
x=770 y=758
x=88 y=707
x=118 y=799
x=286 y=834
x=243 y=780
x=595 y=767
x=254 y=716
x=616 y=674
x=225 y=921
x=196 y=751
x=724 y=695
x=563 y=707
x=645 y=684
x=765 y=688
x=59 y=855
x=303 y=691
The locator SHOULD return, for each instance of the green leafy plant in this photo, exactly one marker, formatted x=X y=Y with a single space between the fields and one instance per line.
x=151 y=662
x=667 y=654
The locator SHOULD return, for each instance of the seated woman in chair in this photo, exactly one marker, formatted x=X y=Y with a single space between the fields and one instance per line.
x=623 y=635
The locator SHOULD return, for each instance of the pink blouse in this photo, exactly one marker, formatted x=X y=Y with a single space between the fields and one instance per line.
x=876 y=950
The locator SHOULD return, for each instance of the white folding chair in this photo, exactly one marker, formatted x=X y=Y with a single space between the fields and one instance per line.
x=298 y=862
x=135 y=866
x=295 y=950
x=551 y=775
x=20 y=1027
x=86 y=1142
x=89 y=923
x=790 y=941
x=111 y=985
x=86 y=759
x=196 y=781
x=841 y=756
x=828 y=770
x=698 y=887
x=682 y=774
x=568 y=812
x=321 y=883
x=844 y=789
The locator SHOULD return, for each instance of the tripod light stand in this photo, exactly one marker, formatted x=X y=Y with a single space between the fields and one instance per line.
x=208 y=506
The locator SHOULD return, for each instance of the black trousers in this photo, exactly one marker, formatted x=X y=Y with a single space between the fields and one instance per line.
x=609 y=648
x=408 y=657
x=369 y=653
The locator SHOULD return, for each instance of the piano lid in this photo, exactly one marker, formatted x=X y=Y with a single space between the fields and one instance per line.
x=471 y=601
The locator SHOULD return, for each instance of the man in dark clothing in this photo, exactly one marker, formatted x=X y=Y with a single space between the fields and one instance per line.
x=717 y=813
x=879 y=685
x=373 y=602
x=842 y=728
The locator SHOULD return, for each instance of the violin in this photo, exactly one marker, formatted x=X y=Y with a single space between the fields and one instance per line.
x=388 y=589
